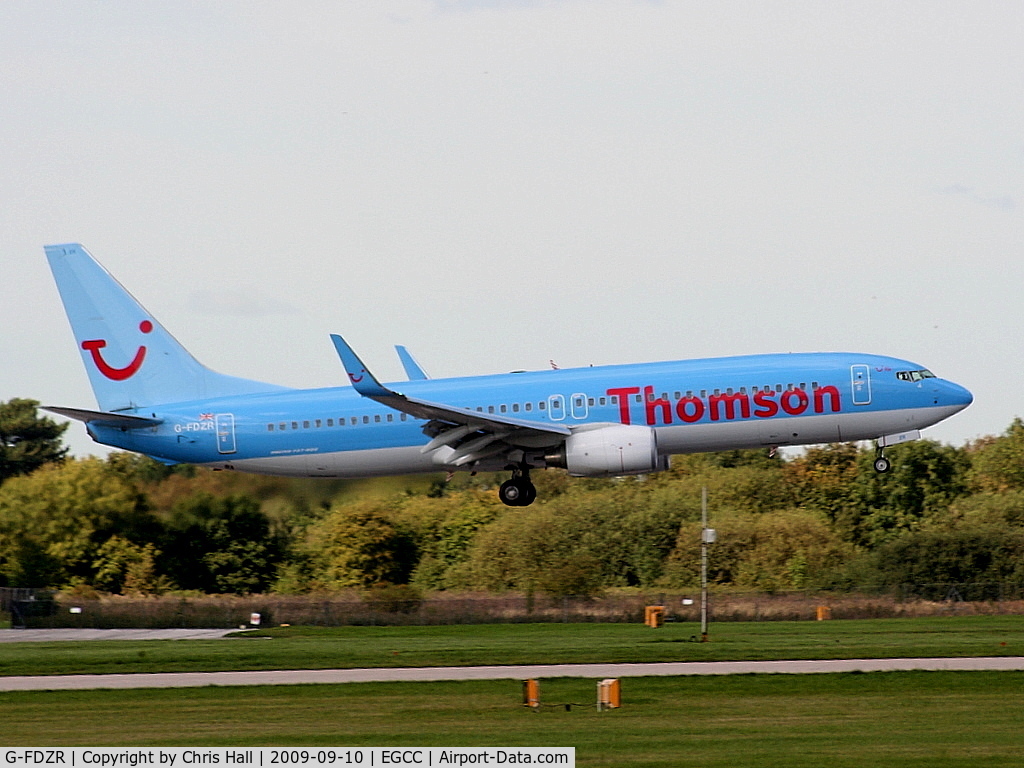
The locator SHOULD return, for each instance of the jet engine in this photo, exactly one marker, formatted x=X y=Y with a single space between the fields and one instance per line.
x=609 y=451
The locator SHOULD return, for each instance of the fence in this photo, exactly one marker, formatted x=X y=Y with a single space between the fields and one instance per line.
x=9 y=595
x=442 y=608
x=25 y=605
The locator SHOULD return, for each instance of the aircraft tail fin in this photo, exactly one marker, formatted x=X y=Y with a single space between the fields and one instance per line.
x=131 y=359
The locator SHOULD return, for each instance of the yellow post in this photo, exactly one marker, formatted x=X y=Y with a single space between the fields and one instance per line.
x=531 y=693
x=609 y=694
x=654 y=615
x=824 y=612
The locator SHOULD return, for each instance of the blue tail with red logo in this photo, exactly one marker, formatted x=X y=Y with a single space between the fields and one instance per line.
x=132 y=361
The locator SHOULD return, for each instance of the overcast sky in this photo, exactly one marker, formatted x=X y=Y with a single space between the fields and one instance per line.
x=498 y=184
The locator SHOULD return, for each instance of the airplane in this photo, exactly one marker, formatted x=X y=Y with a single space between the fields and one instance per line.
x=154 y=398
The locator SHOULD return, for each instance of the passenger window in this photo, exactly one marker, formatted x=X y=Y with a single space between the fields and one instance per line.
x=270 y=427
x=282 y=426
x=295 y=425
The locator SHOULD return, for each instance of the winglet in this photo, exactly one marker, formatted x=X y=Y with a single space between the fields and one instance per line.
x=366 y=383
x=413 y=369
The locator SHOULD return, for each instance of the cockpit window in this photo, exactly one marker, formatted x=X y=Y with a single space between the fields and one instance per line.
x=915 y=375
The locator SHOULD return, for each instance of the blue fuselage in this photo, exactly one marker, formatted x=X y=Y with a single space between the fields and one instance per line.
x=692 y=405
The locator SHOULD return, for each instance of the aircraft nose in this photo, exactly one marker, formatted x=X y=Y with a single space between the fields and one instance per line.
x=955 y=395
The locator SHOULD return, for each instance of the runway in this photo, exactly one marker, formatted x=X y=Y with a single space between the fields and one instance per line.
x=55 y=635
x=424 y=674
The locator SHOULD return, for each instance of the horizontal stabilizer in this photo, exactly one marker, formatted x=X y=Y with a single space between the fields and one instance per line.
x=105 y=419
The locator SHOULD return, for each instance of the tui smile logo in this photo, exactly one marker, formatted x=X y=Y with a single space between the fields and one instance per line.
x=117 y=374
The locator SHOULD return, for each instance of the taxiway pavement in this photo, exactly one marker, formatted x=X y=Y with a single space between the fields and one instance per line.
x=423 y=674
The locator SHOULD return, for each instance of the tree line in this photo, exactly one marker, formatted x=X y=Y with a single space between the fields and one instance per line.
x=822 y=519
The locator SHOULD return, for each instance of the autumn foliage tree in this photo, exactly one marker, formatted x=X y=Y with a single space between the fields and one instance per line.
x=822 y=518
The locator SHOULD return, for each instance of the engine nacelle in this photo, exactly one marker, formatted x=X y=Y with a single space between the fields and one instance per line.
x=617 y=449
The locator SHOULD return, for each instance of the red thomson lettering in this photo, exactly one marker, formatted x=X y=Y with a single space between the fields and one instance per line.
x=819 y=399
x=730 y=406
x=651 y=404
x=623 y=393
x=766 y=405
x=729 y=401
x=794 y=409
x=690 y=409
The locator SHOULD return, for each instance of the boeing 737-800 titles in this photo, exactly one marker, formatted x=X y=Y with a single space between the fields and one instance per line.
x=156 y=399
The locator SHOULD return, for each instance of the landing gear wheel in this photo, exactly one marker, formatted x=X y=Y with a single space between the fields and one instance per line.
x=882 y=464
x=529 y=493
x=511 y=493
x=518 y=491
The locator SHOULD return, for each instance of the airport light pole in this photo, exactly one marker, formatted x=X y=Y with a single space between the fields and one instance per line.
x=707 y=536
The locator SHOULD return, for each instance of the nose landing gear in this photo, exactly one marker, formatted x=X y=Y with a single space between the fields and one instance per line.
x=882 y=464
x=518 y=491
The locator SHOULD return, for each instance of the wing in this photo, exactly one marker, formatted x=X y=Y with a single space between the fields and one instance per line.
x=471 y=435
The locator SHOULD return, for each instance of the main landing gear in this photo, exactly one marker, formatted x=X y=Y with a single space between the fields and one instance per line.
x=518 y=491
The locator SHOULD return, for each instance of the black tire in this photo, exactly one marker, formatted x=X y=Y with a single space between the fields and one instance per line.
x=517 y=492
x=882 y=464
x=529 y=493
x=511 y=493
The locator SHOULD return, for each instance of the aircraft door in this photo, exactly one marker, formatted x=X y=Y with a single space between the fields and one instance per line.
x=225 y=426
x=556 y=407
x=860 y=382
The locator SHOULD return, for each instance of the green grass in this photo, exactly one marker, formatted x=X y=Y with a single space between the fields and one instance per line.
x=354 y=647
x=892 y=719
